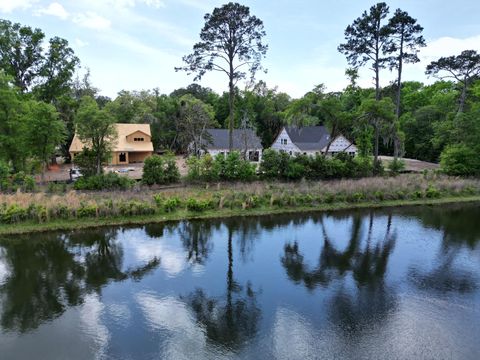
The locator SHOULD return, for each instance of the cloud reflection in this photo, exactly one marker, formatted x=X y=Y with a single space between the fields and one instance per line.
x=92 y=325
x=186 y=337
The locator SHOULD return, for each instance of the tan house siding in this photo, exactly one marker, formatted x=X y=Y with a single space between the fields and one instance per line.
x=138 y=135
x=133 y=144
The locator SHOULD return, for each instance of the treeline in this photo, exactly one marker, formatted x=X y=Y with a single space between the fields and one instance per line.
x=43 y=100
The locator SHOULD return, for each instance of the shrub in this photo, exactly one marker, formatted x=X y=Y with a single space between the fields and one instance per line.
x=14 y=214
x=87 y=210
x=29 y=183
x=160 y=170
x=432 y=192
x=198 y=205
x=37 y=212
x=193 y=165
x=133 y=207
x=171 y=204
x=86 y=161
x=396 y=166
x=110 y=181
x=270 y=165
x=295 y=170
x=460 y=160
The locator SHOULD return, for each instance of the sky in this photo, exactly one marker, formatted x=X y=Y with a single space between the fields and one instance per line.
x=135 y=44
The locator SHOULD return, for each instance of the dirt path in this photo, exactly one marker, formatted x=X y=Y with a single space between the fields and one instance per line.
x=412 y=165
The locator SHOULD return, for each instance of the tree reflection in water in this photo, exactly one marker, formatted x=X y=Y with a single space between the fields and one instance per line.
x=460 y=232
x=366 y=261
x=52 y=272
x=367 y=265
x=229 y=320
x=195 y=236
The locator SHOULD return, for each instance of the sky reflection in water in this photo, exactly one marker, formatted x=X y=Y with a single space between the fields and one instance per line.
x=397 y=283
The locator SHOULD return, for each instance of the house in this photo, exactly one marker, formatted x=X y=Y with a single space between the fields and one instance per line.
x=311 y=140
x=133 y=144
x=244 y=140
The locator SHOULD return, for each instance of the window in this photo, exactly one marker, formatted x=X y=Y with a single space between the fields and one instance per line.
x=290 y=153
x=138 y=139
x=283 y=141
x=122 y=157
x=253 y=156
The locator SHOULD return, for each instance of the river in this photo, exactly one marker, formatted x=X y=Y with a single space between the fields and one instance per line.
x=399 y=283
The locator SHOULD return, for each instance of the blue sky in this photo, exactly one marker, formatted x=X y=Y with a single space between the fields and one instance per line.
x=135 y=44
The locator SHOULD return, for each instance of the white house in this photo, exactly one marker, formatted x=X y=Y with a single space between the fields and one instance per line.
x=245 y=141
x=311 y=140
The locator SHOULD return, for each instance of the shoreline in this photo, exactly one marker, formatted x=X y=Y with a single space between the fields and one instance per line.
x=77 y=224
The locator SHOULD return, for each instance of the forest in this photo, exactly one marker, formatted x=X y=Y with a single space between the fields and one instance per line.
x=43 y=98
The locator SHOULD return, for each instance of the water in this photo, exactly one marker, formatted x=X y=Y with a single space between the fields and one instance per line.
x=395 y=283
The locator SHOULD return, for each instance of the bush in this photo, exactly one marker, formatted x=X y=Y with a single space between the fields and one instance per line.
x=229 y=168
x=198 y=205
x=110 y=181
x=460 y=160
x=396 y=166
x=295 y=170
x=131 y=208
x=14 y=214
x=205 y=168
x=86 y=161
x=171 y=204
x=432 y=192
x=270 y=165
x=160 y=170
x=87 y=210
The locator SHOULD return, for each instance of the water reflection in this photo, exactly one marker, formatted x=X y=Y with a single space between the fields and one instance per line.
x=350 y=284
x=367 y=263
x=229 y=320
x=48 y=274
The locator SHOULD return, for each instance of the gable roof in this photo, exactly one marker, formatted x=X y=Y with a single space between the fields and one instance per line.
x=309 y=137
x=220 y=140
x=123 y=130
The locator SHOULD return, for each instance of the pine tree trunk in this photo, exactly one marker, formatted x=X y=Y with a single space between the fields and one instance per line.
x=231 y=113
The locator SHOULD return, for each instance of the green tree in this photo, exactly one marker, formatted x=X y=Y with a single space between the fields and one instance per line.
x=378 y=114
x=13 y=129
x=56 y=70
x=95 y=128
x=21 y=52
x=195 y=117
x=405 y=39
x=464 y=68
x=366 y=41
x=460 y=160
x=231 y=39
x=45 y=131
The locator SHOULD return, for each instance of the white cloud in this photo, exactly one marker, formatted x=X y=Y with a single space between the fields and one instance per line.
x=7 y=6
x=80 y=43
x=54 y=9
x=92 y=20
x=125 y=4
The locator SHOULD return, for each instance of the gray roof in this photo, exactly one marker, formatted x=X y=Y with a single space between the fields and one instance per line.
x=219 y=139
x=309 y=137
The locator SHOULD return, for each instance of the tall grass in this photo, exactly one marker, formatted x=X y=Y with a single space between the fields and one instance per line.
x=42 y=207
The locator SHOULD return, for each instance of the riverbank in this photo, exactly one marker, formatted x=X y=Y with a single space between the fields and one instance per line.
x=65 y=225
x=22 y=213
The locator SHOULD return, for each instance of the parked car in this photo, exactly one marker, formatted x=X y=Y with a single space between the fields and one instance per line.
x=75 y=174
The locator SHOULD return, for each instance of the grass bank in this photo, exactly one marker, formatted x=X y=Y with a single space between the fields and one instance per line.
x=61 y=224
x=21 y=213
